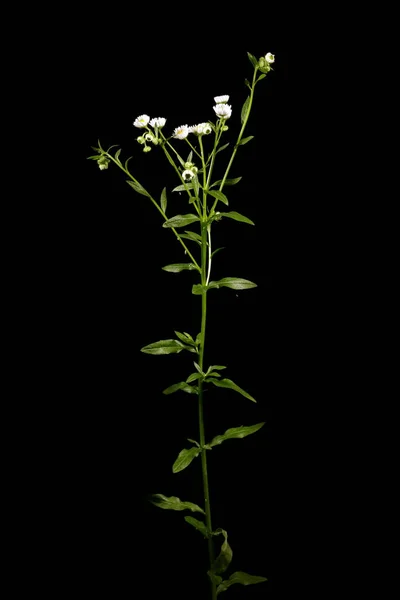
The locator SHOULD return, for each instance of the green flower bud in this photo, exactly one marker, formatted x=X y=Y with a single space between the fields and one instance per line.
x=147 y=149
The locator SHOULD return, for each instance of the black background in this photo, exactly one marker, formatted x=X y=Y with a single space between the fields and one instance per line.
x=113 y=435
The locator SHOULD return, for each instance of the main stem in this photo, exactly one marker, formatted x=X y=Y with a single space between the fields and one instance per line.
x=201 y=407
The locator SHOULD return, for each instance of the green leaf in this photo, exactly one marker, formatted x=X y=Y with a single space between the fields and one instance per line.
x=247 y=82
x=174 y=503
x=219 y=195
x=217 y=250
x=197 y=289
x=192 y=235
x=228 y=383
x=163 y=201
x=127 y=161
x=181 y=220
x=183 y=188
x=253 y=60
x=244 y=141
x=165 y=347
x=236 y=432
x=239 y=577
x=138 y=188
x=182 y=385
x=224 y=558
x=194 y=442
x=237 y=217
x=189 y=158
x=184 y=459
x=193 y=377
x=213 y=374
x=234 y=283
x=261 y=77
x=176 y=268
x=199 y=525
x=222 y=148
x=216 y=367
x=232 y=181
x=197 y=367
x=245 y=107
x=185 y=337
x=118 y=152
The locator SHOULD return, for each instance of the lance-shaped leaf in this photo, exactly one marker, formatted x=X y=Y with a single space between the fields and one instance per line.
x=244 y=141
x=165 y=347
x=183 y=187
x=199 y=525
x=232 y=181
x=178 y=267
x=184 y=459
x=174 y=503
x=217 y=250
x=228 y=383
x=222 y=148
x=224 y=558
x=236 y=432
x=237 y=217
x=181 y=220
x=219 y=195
x=163 y=201
x=185 y=337
x=245 y=108
x=193 y=377
x=236 y=283
x=239 y=577
x=198 y=289
x=253 y=60
x=138 y=188
x=182 y=385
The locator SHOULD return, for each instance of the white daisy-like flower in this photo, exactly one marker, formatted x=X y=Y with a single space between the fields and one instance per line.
x=200 y=129
x=221 y=99
x=158 y=122
x=223 y=111
x=270 y=58
x=141 y=121
x=181 y=132
x=188 y=175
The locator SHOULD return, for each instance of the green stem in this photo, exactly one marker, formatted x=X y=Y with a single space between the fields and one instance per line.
x=178 y=237
x=204 y=231
x=246 y=118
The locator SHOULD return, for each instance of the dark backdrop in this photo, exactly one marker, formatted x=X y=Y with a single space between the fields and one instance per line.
x=113 y=435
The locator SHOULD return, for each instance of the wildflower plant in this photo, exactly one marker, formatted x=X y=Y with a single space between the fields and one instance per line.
x=195 y=176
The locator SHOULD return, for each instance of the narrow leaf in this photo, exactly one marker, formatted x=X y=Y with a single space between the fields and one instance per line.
x=192 y=235
x=164 y=200
x=219 y=195
x=174 y=503
x=118 y=152
x=261 y=77
x=194 y=442
x=233 y=282
x=188 y=237
x=185 y=337
x=199 y=525
x=228 y=383
x=244 y=141
x=184 y=459
x=181 y=220
x=182 y=385
x=193 y=377
x=197 y=289
x=183 y=187
x=138 y=188
x=252 y=59
x=236 y=432
x=222 y=148
x=127 y=161
x=245 y=109
x=217 y=250
x=217 y=367
x=224 y=558
x=213 y=374
x=237 y=217
x=176 y=268
x=239 y=577
x=197 y=367
x=164 y=347
x=189 y=158
x=232 y=181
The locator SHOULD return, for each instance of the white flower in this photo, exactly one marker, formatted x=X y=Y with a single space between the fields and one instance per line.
x=141 y=121
x=270 y=58
x=200 y=129
x=158 y=122
x=188 y=174
x=223 y=111
x=181 y=132
x=221 y=99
